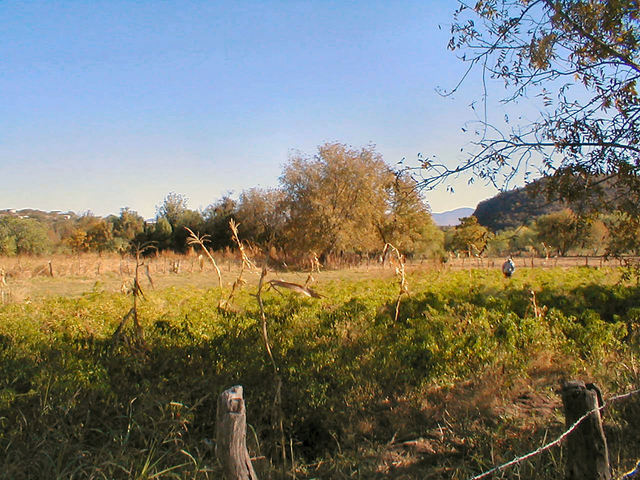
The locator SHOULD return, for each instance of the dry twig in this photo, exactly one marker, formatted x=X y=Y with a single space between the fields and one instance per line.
x=246 y=264
x=400 y=272
x=294 y=287
x=136 y=292
x=200 y=240
x=277 y=400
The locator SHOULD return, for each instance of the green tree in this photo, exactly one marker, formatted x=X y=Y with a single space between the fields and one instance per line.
x=406 y=222
x=216 y=222
x=160 y=233
x=561 y=231
x=334 y=199
x=624 y=234
x=173 y=206
x=261 y=217
x=469 y=236
x=580 y=59
x=23 y=236
x=191 y=219
x=8 y=245
x=127 y=225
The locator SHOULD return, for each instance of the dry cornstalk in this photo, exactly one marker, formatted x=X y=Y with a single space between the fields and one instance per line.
x=294 y=287
x=315 y=267
x=277 y=400
x=199 y=240
x=136 y=292
x=246 y=264
x=400 y=272
x=148 y=273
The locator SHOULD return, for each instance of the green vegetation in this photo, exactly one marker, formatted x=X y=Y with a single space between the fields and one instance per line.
x=463 y=380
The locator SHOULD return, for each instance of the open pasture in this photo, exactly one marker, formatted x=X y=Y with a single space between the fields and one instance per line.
x=464 y=379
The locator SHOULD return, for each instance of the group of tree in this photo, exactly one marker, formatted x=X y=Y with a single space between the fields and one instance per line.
x=341 y=200
x=34 y=232
x=559 y=233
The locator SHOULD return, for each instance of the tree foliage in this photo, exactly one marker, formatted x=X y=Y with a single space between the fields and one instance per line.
x=128 y=224
x=261 y=218
x=172 y=208
x=407 y=222
x=216 y=222
x=623 y=234
x=349 y=200
x=469 y=237
x=580 y=59
x=561 y=231
x=23 y=236
x=341 y=200
x=334 y=199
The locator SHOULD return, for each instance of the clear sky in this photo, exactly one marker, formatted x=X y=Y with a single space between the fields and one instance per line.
x=112 y=104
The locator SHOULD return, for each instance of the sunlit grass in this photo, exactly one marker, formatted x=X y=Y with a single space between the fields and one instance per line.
x=465 y=378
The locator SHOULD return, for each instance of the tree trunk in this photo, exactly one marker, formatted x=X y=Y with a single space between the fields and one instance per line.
x=587 y=454
x=231 y=431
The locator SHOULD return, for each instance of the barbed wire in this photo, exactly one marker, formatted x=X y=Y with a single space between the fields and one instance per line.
x=560 y=439
x=632 y=473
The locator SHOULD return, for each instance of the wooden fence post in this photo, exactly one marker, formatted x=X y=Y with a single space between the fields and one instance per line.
x=587 y=453
x=231 y=432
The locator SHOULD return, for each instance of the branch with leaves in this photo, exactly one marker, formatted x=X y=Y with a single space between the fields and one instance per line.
x=581 y=61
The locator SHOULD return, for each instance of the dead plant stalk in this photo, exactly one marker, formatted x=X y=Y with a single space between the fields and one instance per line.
x=136 y=291
x=200 y=240
x=246 y=264
x=277 y=400
x=400 y=272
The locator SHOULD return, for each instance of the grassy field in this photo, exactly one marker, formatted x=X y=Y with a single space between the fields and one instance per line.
x=466 y=378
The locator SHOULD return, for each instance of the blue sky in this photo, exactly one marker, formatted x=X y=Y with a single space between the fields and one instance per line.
x=117 y=103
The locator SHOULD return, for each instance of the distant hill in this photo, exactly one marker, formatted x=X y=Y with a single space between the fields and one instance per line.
x=452 y=217
x=514 y=208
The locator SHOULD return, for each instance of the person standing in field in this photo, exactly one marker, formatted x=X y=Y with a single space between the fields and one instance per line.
x=508 y=268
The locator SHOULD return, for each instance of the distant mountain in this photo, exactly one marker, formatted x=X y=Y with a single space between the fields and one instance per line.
x=452 y=217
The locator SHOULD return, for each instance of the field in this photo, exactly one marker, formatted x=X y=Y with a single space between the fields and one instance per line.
x=466 y=378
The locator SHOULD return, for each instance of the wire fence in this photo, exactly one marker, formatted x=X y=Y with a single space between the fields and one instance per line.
x=635 y=473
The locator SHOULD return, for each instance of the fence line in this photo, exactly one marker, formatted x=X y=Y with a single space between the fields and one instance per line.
x=538 y=451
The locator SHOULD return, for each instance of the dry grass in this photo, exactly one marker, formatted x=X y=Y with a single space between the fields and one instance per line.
x=29 y=277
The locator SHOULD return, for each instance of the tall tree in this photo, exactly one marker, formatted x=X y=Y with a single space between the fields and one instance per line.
x=406 y=222
x=624 y=234
x=562 y=231
x=173 y=206
x=581 y=60
x=128 y=224
x=469 y=236
x=334 y=199
x=216 y=221
x=261 y=217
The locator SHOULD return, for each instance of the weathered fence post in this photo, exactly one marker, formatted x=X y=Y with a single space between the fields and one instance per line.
x=587 y=453
x=231 y=432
